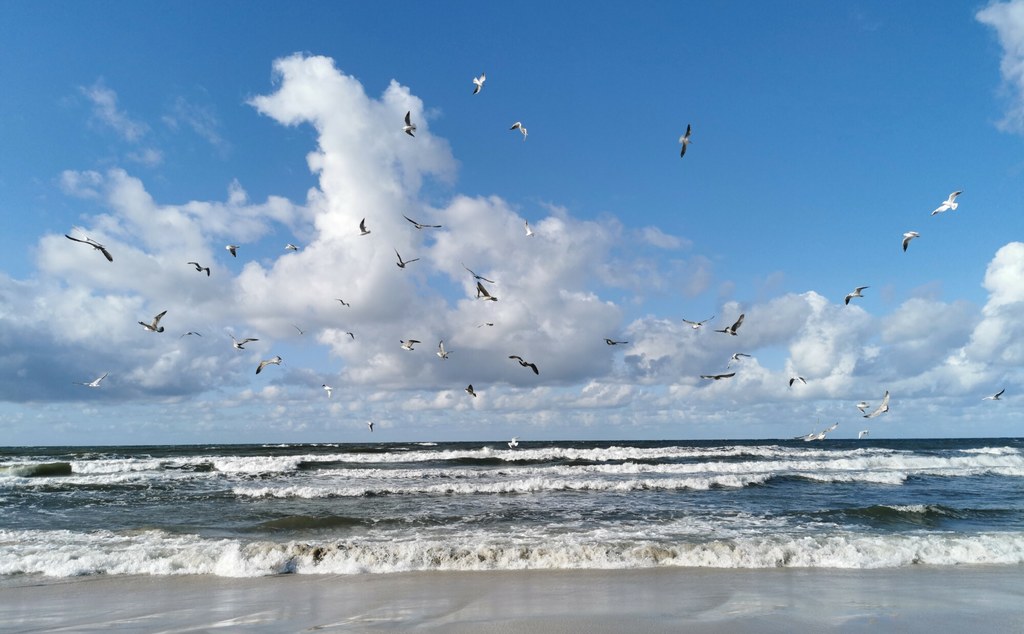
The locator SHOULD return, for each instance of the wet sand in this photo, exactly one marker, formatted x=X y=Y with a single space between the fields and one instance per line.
x=916 y=599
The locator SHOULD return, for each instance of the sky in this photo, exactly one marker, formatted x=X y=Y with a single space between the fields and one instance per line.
x=820 y=134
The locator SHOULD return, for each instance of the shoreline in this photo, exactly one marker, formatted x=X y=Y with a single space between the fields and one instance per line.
x=912 y=599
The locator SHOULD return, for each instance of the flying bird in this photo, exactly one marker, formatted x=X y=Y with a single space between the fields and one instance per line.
x=240 y=345
x=735 y=358
x=612 y=342
x=949 y=203
x=855 y=293
x=481 y=293
x=401 y=263
x=486 y=323
x=478 y=83
x=519 y=126
x=512 y=444
x=409 y=126
x=697 y=324
x=718 y=377
x=529 y=231
x=995 y=397
x=862 y=433
x=685 y=140
x=200 y=269
x=362 y=227
x=883 y=408
x=369 y=424
x=290 y=247
x=190 y=332
x=478 y=277
x=470 y=390
x=407 y=344
x=155 y=326
x=232 y=249
x=328 y=389
x=94 y=382
x=863 y=406
x=441 y=352
x=95 y=245
x=420 y=225
x=301 y=331
x=525 y=364
x=731 y=330
x=344 y=303
x=907 y=237
x=797 y=378
x=275 y=361
x=350 y=334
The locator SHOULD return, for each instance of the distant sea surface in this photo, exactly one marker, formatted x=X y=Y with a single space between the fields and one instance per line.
x=255 y=510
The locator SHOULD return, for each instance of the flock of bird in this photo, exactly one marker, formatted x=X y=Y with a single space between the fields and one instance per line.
x=482 y=293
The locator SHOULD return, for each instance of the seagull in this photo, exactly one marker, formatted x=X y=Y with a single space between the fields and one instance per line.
x=697 y=324
x=797 y=378
x=512 y=444
x=232 y=249
x=862 y=433
x=478 y=277
x=685 y=140
x=481 y=293
x=731 y=330
x=478 y=82
x=529 y=231
x=883 y=408
x=612 y=342
x=995 y=397
x=525 y=364
x=95 y=245
x=470 y=390
x=362 y=227
x=401 y=263
x=486 y=323
x=519 y=126
x=301 y=331
x=908 y=236
x=191 y=332
x=822 y=435
x=155 y=326
x=735 y=358
x=949 y=203
x=369 y=424
x=344 y=303
x=275 y=361
x=328 y=389
x=408 y=344
x=441 y=352
x=863 y=406
x=351 y=334
x=200 y=269
x=290 y=247
x=94 y=382
x=420 y=225
x=409 y=126
x=855 y=293
x=718 y=377
x=240 y=345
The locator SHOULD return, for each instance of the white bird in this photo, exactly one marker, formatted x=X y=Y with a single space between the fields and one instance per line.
x=362 y=227
x=797 y=378
x=200 y=269
x=240 y=345
x=908 y=236
x=512 y=444
x=731 y=330
x=481 y=293
x=697 y=324
x=191 y=332
x=470 y=390
x=862 y=433
x=949 y=203
x=855 y=293
x=822 y=435
x=735 y=358
x=94 y=382
x=328 y=389
x=232 y=249
x=401 y=263
x=995 y=397
x=685 y=140
x=407 y=344
x=420 y=225
x=275 y=361
x=155 y=325
x=478 y=82
x=863 y=406
x=612 y=342
x=95 y=245
x=369 y=424
x=409 y=126
x=441 y=352
x=478 y=277
x=529 y=231
x=290 y=247
x=524 y=363
x=519 y=126
x=883 y=408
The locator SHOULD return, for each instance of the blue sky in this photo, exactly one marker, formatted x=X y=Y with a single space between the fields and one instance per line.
x=821 y=133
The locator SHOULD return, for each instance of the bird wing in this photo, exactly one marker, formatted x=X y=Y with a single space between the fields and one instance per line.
x=998 y=394
x=156 y=320
x=739 y=322
x=408 y=119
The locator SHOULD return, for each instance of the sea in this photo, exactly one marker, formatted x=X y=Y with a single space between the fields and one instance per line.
x=367 y=509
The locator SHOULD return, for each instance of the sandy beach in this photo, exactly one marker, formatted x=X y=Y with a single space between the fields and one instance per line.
x=918 y=599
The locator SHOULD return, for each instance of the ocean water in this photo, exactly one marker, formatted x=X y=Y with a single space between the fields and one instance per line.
x=255 y=510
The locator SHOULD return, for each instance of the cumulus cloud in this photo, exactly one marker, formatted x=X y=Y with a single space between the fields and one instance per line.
x=1007 y=18
x=106 y=112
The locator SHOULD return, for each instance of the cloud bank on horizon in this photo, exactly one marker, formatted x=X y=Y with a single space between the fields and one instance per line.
x=560 y=293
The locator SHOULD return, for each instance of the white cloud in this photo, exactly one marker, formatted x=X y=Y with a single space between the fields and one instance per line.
x=200 y=119
x=1007 y=18
x=105 y=110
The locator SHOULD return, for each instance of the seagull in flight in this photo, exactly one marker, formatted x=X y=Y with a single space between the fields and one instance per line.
x=95 y=245
x=685 y=140
x=907 y=237
x=362 y=227
x=290 y=247
x=529 y=231
x=486 y=323
x=949 y=203
x=401 y=263
x=407 y=344
x=855 y=293
x=863 y=406
x=275 y=361
x=232 y=249
x=697 y=324
x=883 y=408
x=731 y=330
x=344 y=303
x=862 y=433
x=797 y=378
x=409 y=126
x=718 y=377
x=94 y=382
x=441 y=352
x=155 y=325
x=240 y=345
x=512 y=444
x=481 y=293
x=420 y=225
x=478 y=82
x=995 y=397
x=200 y=269
x=478 y=277
x=612 y=342
x=735 y=358
x=351 y=334
x=301 y=331
x=470 y=390
x=525 y=364
x=328 y=389
x=191 y=332
x=518 y=125
x=369 y=424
